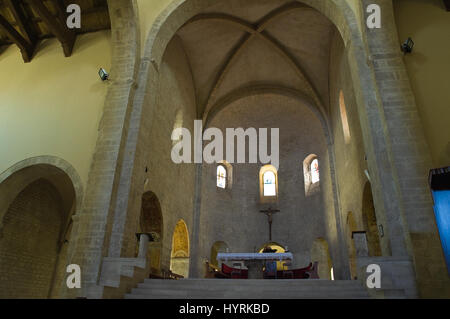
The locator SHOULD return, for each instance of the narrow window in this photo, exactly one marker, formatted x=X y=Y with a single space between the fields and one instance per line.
x=311 y=174
x=344 y=119
x=315 y=175
x=221 y=176
x=269 y=184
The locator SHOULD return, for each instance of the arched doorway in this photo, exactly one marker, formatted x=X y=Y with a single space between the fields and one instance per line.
x=321 y=254
x=37 y=201
x=151 y=222
x=179 y=261
x=370 y=222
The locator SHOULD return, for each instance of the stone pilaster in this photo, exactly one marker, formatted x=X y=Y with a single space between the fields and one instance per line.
x=91 y=224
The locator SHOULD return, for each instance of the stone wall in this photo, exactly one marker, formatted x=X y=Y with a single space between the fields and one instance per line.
x=350 y=155
x=232 y=215
x=172 y=183
x=29 y=242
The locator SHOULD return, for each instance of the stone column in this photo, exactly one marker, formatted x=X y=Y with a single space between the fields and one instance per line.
x=360 y=241
x=143 y=245
x=88 y=243
x=195 y=266
x=408 y=151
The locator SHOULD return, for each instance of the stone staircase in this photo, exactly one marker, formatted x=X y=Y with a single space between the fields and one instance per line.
x=248 y=289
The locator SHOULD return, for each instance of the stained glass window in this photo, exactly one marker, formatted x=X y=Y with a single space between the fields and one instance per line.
x=315 y=176
x=221 y=176
x=269 y=184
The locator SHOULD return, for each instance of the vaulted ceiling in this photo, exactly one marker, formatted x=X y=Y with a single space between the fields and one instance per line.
x=240 y=45
x=25 y=22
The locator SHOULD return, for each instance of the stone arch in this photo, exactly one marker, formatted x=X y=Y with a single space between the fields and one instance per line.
x=179 y=261
x=176 y=14
x=320 y=253
x=261 y=89
x=151 y=221
x=38 y=197
x=370 y=221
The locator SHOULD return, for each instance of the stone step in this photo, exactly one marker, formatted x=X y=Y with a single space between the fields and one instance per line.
x=248 y=295
x=248 y=289
x=241 y=287
x=251 y=282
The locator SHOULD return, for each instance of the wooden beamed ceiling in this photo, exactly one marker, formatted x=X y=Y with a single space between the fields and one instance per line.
x=25 y=22
x=447 y=4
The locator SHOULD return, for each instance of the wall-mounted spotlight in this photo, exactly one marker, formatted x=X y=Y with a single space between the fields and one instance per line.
x=103 y=74
x=407 y=46
x=367 y=175
x=381 y=230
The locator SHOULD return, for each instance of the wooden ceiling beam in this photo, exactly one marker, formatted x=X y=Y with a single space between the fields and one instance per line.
x=84 y=14
x=57 y=27
x=25 y=47
x=447 y=4
x=21 y=21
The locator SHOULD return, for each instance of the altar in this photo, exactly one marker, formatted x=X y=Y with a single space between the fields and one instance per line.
x=254 y=261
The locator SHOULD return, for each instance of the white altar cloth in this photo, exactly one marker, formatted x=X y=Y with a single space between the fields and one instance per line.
x=254 y=256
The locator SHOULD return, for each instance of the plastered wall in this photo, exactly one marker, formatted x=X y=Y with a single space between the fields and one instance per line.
x=53 y=105
x=428 y=24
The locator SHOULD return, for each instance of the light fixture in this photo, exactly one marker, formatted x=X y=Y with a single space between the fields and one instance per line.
x=367 y=175
x=103 y=74
x=407 y=46
x=381 y=230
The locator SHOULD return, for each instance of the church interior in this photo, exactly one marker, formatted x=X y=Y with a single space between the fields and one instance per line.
x=87 y=177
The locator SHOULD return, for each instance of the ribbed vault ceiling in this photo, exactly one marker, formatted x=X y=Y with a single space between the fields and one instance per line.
x=242 y=44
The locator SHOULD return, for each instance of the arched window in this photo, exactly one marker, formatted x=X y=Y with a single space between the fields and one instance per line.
x=221 y=176
x=311 y=174
x=315 y=175
x=344 y=119
x=269 y=184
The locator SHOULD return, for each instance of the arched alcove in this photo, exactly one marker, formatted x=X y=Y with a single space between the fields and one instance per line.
x=370 y=222
x=179 y=261
x=38 y=197
x=217 y=247
x=151 y=222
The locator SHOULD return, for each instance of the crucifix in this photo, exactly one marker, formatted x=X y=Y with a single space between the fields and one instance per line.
x=269 y=212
